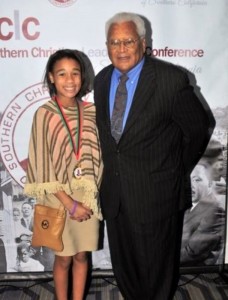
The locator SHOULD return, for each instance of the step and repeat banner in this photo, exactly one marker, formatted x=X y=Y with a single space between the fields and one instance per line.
x=189 y=33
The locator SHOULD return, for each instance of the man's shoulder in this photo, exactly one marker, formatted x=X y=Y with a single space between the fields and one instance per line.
x=104 y=72
x=164 y=66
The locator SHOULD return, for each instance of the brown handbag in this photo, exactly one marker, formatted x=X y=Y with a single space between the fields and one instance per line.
x=48 y=227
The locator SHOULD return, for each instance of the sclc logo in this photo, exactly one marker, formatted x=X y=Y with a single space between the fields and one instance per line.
x=15 y=27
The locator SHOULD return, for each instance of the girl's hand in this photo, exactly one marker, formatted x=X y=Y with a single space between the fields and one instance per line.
x=82 y=213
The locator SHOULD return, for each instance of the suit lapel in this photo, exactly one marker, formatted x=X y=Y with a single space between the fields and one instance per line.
x=144 y=91
x=104 y=100
x=105 y=96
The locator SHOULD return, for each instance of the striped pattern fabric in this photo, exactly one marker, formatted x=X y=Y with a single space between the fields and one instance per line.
x=51 y=160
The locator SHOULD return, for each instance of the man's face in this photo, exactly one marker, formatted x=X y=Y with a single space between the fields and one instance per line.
x=199 y=183
x=123 y=57
x=26 y=210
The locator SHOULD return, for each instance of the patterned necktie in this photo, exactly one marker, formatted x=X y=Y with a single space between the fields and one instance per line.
x=119 y=108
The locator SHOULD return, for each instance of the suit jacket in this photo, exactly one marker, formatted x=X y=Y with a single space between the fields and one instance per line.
x=202 y=233
x=24 y=224
x=147 y=173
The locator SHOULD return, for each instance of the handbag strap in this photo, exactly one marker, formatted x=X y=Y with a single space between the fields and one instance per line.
x=61 y=207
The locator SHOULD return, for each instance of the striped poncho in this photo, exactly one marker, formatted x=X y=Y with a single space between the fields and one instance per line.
x=52 y=161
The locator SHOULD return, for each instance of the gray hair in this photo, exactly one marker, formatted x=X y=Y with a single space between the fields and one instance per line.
x=127 y=17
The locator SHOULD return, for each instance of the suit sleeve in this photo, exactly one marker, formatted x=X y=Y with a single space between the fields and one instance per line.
x=206 y=238
x=196 y=123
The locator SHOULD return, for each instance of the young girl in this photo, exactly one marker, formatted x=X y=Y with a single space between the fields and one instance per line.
x=65 y=166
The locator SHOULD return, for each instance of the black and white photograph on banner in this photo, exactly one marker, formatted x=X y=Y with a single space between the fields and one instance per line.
x=16 y=232
x=204 y=223
x=190 y=35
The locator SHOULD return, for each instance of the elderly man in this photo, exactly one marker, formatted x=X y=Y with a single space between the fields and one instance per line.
x=153 y=130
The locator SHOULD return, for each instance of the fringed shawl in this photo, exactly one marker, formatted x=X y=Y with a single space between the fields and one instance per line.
x=51 y=160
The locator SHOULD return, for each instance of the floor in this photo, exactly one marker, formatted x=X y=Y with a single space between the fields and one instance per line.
x=210 y=286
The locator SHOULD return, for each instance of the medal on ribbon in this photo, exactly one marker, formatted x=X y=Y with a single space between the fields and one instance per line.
x=78 y=172
x=75 y=141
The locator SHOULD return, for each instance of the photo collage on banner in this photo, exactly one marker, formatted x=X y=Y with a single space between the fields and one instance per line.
x=191 y=34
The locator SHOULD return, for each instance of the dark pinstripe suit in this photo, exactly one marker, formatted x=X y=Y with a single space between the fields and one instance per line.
x=146 y=176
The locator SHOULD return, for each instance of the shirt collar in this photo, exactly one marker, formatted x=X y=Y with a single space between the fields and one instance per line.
x=133 y=73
